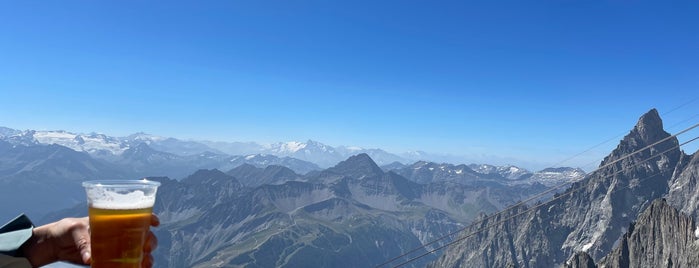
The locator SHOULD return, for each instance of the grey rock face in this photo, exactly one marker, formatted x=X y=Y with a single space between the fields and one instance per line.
x=580 y=260
x=684 y=189
x=590 y=216
x=661 y=237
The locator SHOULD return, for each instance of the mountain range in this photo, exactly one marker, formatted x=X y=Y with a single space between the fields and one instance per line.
x=46 y=163
x=108 y=146
x=638 y=209
x=260 y=205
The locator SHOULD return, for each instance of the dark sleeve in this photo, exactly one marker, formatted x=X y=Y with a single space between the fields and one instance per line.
x=14 y=233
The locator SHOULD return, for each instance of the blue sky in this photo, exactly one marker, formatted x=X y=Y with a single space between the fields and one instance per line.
x=529 y=82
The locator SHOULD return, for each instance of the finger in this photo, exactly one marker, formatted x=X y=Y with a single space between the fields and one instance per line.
x=147 y=261
x=151 y=243
x=154 y=221
x=81 y=237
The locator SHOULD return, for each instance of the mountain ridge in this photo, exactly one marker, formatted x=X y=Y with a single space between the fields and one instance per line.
x=103 y=145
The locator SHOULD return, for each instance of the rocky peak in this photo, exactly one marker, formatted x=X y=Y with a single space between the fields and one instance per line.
x=590 y=216
x=278 y=171
x=357 y=166
x=649 y=126
x=647 y=131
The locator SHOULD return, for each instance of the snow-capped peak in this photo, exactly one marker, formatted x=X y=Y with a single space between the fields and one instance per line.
x=508 y=171
x=91 y=143
x=289 y=147
x=292 y=147
x=6 y=132
x=145 y=137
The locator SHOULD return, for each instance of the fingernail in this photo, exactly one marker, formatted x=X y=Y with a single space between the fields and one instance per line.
x=86 y=257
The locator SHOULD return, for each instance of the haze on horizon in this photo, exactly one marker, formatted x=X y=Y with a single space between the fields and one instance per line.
x=525 y=83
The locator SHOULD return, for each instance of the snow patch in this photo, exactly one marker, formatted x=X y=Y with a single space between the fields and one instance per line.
x=696 y=232
x=291 y=147
x=48 y=136
x=90 y=143
x=586 y=246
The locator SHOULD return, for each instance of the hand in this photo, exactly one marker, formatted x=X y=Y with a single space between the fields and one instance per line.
x=69 y=240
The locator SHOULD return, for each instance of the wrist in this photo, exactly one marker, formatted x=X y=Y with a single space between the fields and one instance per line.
x=39 y=248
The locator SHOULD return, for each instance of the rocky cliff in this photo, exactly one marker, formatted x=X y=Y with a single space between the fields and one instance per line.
x=661 y=237
x=590 y=216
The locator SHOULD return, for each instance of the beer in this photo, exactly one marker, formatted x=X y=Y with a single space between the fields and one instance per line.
x=120 y=218
x=118 y=235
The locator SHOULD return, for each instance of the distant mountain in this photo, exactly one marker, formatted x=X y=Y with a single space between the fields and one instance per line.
x=379 y=156
x=357 y=167
x=171 y=145
x=92 y=143
x=393 y=166
x=149 y=155
x=425 y=172
x=508 y=172
x=327 y=156
x=144 y=161
x=590 y=216
x=252 y=176
x=101 y=145
x=264 y=160
x=236 y=148
x=311 y=151
x=6 y=132
x=43 y=178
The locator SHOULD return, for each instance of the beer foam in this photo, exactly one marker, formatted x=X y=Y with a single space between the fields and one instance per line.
x=100 y=198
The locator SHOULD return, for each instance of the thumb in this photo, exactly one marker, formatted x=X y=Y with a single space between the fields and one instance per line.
x=83 y=244
x=86 y=255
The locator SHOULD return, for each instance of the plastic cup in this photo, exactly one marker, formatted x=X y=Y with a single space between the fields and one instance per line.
x=120 y=216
